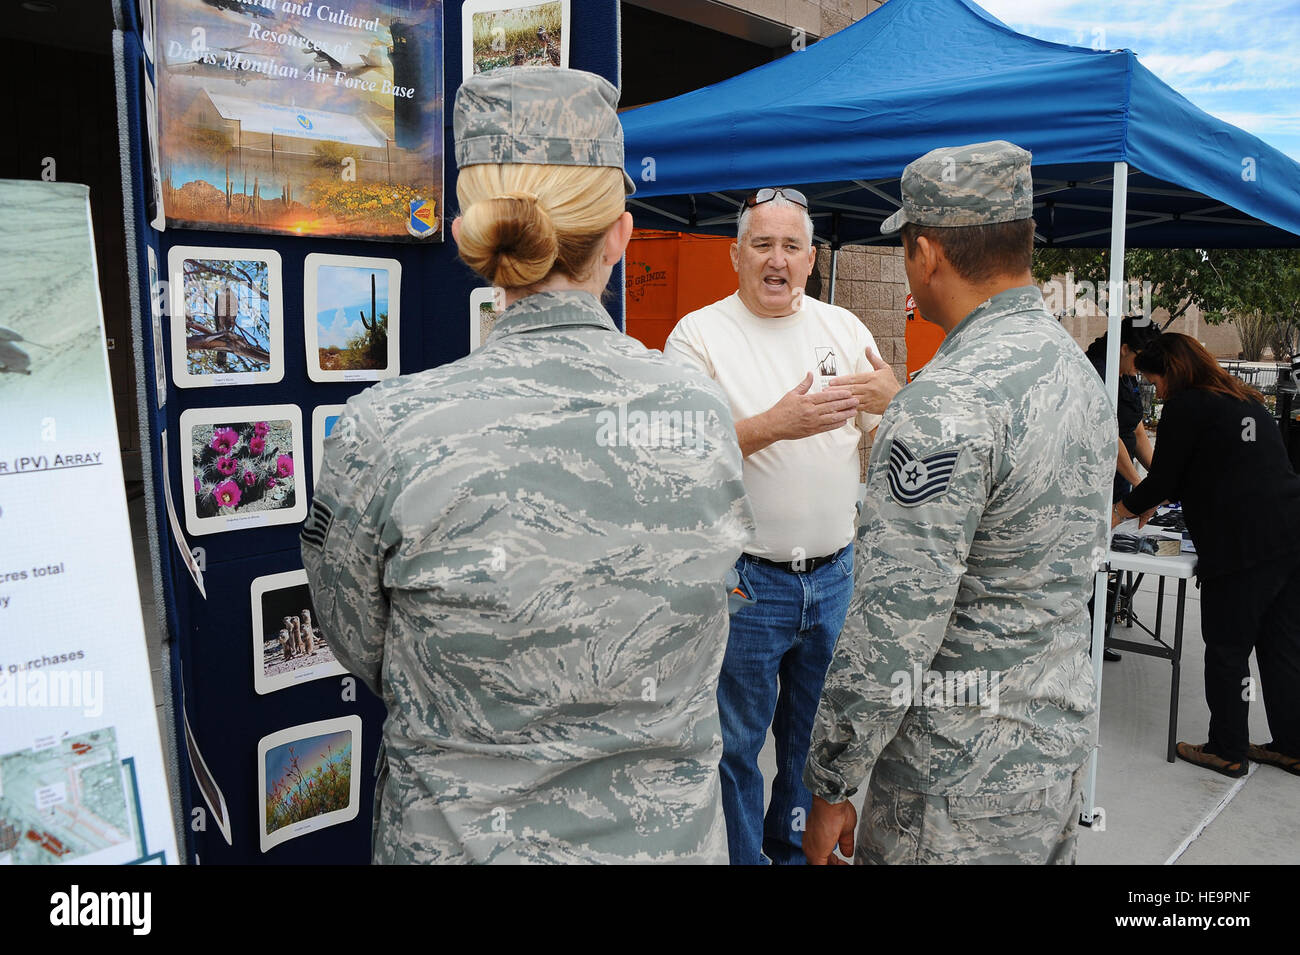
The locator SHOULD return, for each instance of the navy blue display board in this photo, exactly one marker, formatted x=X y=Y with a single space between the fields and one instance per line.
x=211 y=639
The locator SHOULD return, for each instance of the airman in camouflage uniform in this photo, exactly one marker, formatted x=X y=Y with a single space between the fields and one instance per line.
x=962 y=682
x=522 y=552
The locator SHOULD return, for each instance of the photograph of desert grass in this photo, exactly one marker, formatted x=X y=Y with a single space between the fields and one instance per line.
x=308 y=778
x=518 y=35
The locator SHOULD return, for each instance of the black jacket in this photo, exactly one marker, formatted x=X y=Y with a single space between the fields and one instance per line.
x=1128 y=412
x=1225 y=461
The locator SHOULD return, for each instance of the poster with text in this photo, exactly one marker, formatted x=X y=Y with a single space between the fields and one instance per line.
x=302 y=118
x=82 y=777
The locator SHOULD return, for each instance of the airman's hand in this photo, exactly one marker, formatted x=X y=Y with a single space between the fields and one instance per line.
x=829 y=824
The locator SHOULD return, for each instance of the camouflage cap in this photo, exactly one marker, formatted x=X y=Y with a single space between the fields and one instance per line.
x=538 y=114
x=978 y=184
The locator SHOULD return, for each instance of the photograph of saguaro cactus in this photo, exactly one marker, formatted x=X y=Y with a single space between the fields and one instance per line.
x=351 y=310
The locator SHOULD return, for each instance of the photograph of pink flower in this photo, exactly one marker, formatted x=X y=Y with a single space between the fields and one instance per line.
x=242 y=465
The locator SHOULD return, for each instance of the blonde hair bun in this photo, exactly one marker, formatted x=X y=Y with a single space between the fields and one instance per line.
x=509 y=240
x=520 y=223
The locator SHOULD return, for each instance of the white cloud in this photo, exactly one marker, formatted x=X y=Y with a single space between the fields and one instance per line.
x=1215 y=52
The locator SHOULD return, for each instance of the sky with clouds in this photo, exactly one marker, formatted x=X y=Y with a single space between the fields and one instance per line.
x=1236 y=59
x=342 y=292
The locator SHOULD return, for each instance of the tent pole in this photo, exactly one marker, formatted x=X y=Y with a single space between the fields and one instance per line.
x=835 y=259
x=1114 y=314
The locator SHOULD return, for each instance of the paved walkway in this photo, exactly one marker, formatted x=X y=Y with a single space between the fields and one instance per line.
x=1173 y=813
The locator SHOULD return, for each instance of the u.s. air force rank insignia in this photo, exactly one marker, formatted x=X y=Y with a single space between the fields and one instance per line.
x=914 y=480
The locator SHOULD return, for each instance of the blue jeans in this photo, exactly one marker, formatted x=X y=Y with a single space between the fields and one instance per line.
x=787 y=638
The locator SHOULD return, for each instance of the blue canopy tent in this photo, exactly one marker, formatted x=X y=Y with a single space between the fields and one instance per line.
x=1119 y=156
x=843 y=117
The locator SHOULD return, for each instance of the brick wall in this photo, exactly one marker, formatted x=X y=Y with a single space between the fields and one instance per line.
x=870 y=283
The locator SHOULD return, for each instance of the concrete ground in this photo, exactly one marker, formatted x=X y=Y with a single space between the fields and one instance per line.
x=1156 y=812
x=1173 y=813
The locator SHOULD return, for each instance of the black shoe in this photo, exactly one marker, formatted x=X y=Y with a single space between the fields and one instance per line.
x=1111 y=656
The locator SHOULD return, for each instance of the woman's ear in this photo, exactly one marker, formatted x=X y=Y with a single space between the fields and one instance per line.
x=617 y=238
x=455 y=228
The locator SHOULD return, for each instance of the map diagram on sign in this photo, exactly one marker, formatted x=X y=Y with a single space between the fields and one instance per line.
x=62 y=802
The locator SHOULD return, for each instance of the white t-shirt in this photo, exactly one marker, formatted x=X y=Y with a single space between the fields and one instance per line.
x=803 y=492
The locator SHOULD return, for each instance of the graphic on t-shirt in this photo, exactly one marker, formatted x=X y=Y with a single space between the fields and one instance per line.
x=824 y=355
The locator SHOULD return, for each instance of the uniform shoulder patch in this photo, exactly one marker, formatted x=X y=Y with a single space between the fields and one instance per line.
x=914 y=480
x=317 y=526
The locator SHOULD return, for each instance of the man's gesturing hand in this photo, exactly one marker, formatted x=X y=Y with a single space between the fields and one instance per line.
x=874 y=389
x=799 y=414
x=829 y=824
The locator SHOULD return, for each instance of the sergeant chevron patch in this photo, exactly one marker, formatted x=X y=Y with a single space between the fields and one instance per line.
x=914 y=480
x=317 y=526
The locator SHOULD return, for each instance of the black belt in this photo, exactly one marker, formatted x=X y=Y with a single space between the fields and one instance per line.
x=806 y=566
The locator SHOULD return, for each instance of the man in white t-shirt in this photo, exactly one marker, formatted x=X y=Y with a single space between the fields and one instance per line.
x=804 y=383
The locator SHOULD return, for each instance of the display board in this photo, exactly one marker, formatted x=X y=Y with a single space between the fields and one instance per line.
x=82 y=776
x=262 y=336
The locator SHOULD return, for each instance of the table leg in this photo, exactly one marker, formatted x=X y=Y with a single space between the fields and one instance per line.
x=1178 y=662
x=1160 y=605
x=1129 y=587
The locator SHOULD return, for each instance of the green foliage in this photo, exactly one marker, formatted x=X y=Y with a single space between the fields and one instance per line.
x=329 y=154
x=357 y=354
x=498 y=35
x=1256 y=289
x=1180 y=278
x=1254 y=330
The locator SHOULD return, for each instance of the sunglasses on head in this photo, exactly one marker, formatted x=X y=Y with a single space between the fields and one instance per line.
x=767 y=195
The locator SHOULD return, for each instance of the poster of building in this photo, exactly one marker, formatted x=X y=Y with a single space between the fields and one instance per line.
x=302 y=118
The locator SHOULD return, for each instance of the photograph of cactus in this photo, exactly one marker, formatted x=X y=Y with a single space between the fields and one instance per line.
x=351 y=307
x=306 y=779
x=497 y=33
x=289 y=646
x=243 y=467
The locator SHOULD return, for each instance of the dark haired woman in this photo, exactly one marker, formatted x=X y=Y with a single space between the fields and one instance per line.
x=1220 y=454
x=1134 y=444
